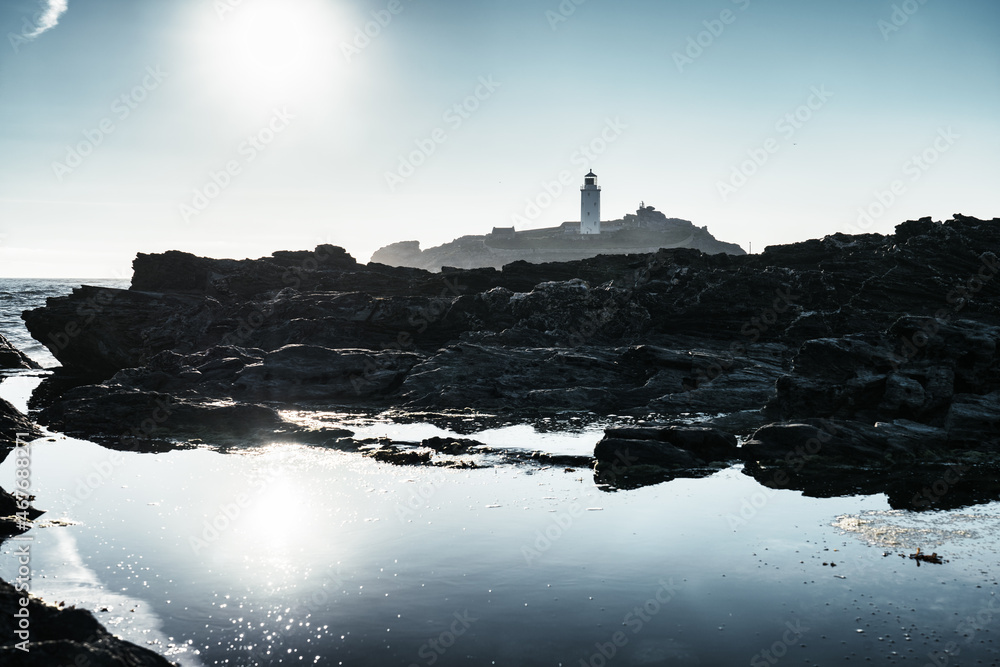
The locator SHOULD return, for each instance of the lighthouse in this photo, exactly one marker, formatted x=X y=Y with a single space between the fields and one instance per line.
x=590 y=205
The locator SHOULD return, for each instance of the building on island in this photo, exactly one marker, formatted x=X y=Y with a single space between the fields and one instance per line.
x=645 y=231
x=503 y=233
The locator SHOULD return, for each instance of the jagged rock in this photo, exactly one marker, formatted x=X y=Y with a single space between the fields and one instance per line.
x=12 y=422
x=12 y=358
x=13 y=427
x=912 y=372
x=310 y=373
x=14 y=517
x=64 y=637
x=453 y=446
x=974 y=421
x=99 y=331
x=175 y=271
x=829 y=443
x=725 y=385
x=465 y=375
x=395 y=455
x=875 y=321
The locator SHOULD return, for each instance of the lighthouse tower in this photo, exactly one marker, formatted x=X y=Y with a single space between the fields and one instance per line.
x=590 y=205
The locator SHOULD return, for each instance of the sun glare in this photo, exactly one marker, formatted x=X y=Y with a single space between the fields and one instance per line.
x=273 y=51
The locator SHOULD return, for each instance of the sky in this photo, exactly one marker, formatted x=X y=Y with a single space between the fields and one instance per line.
x=234 y=128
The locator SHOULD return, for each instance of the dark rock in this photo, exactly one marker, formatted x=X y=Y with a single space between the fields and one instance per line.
x=632 y=451
x=14 y=427
x=453 y=446
x=99 y=331
x=701 y=444
x=64 y=637
x=974 y=422
x=840 y=285
x=15 y=518
x=312 y=373
x=914 y=464
x=744 y=422
x=13 y=423
x=914 y=372
x=829 y=443
x=873 y=323
x=390 y=453
x=12 y=358
x=930 y=486
x=729 y=385
x=138 y=420
x=175 y=271
x=633 y=457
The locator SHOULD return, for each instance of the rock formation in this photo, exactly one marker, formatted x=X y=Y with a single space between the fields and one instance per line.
x=12 y=358
x=892 y=338
x=64 y=637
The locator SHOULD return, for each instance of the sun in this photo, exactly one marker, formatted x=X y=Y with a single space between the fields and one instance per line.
x=272 y=51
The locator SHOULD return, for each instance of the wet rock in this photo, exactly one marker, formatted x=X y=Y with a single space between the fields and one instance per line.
x=733 y=386
x=834 y=378
x=916 y=465
x=14 y=427
x=700 y=443
x=99 y=331
x=881 y=329
x=13 y=423
x=311 y=373
x=929 y=486
x=15 y=518
x=64 y=637
x=742 y=423
x=453 y=446
x=391 y=453
x=629 y=457
x=132 y=419
x=974 y=422
x=912 y=372
x=829 y=443
x=12 y=358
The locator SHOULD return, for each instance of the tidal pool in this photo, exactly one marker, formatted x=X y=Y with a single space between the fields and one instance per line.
x=301 y=555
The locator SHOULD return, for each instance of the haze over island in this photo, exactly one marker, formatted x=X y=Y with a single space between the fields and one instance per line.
x=233 y=128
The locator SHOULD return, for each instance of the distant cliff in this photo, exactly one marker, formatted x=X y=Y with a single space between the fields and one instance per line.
x=646 y=231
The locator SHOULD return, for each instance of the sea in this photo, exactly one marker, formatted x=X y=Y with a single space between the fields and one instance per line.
x=293 y=554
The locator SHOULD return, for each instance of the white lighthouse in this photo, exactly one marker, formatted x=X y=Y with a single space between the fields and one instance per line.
x=590 y=205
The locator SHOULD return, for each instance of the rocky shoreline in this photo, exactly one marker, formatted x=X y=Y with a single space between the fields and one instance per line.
x=891 y=339
x=843 y=365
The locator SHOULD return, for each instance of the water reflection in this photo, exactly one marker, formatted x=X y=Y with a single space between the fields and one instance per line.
x=925 y=488
x=302 y=554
